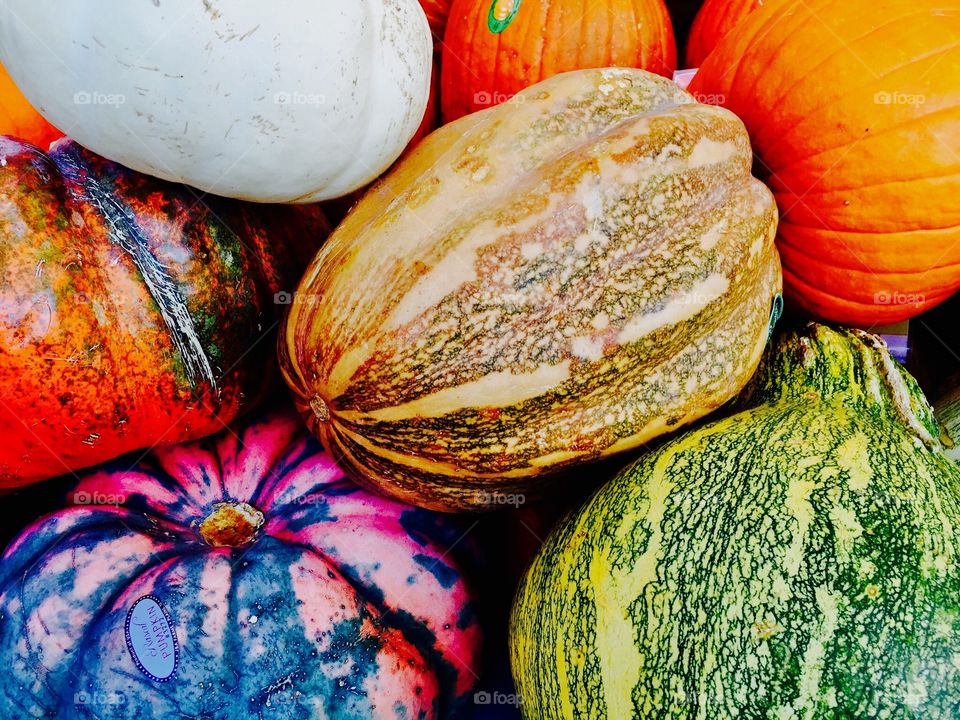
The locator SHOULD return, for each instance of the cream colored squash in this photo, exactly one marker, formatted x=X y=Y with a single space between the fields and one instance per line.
x=544 y=283
x=291 y=101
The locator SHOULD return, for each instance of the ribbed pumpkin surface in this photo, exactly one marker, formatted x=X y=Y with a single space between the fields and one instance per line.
x=534 y=286
x=853 y=110
x=713 y=21
x=795 y=560
x=493 y=49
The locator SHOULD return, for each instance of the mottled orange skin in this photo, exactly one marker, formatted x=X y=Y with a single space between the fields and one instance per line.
x=547 y=37
x=19 y=118
x=88 y=364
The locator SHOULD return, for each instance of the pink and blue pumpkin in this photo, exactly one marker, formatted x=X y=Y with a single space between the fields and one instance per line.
x=237 y=577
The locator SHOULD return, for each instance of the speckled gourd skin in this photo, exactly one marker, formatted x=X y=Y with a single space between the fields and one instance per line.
x=539 y=284
x=796 y=559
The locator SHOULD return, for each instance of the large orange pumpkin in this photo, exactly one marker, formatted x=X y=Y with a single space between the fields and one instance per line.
x=714 y=20
x=853 y=109
x=494 y=49
x=20 y=119
x=436 y=12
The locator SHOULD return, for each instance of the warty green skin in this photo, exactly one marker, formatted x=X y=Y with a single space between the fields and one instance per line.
x=794 y=560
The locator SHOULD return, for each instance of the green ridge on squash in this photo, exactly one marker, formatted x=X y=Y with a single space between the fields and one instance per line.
x=794 y=560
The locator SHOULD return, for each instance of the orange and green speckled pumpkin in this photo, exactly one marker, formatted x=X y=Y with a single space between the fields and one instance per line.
x=537 y=285
x=19 y=119
x=853 y=110
x=131 y=313
x=493 y=50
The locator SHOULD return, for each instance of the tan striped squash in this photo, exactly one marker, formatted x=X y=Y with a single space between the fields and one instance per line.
x=543 y=283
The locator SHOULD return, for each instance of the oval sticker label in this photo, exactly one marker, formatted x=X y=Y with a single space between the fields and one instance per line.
x=151 y=640
x=501 y=14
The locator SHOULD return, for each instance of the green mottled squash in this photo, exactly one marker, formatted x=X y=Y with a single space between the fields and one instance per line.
x=540 y=284
x=794 y=560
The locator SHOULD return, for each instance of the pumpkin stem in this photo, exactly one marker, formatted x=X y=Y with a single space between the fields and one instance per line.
x=320 y=408
x=852 y=366
x=231 y=524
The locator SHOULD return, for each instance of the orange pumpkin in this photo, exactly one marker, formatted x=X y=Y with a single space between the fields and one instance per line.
x=18 y=117
x=853 y=109
x=495 y=48
x=436 y=12
x=714 y=20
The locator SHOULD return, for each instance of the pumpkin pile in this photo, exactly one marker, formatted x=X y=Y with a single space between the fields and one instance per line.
x=569 y=401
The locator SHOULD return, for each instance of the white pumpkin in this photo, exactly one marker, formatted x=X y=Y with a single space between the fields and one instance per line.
x=284 y=101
